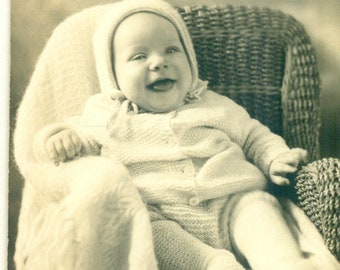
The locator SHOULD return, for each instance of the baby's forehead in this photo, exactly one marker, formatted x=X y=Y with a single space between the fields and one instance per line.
x=144 y=26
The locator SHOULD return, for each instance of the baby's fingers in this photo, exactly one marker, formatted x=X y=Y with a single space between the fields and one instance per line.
x=279 y=172
x=71 y=142
x=299 y=155
x=55 y=150
x=278 y=168
x=69 y=147
x=77 y=144
x=280 y=180
x=51 y=151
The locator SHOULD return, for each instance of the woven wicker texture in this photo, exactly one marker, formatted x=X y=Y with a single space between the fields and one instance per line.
x=318 y=190
x=263 y=59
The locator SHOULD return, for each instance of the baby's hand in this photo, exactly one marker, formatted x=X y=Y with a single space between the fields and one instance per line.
x=286 y=163
x=63 y=146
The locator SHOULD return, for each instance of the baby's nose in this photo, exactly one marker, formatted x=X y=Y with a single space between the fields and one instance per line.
x=158 y=62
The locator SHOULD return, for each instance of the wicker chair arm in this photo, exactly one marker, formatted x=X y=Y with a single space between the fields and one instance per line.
x=318 y=192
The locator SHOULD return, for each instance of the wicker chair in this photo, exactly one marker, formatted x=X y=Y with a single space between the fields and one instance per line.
x=261 y=58
x=264 y=60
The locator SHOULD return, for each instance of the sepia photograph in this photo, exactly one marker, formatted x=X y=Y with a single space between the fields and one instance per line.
x=170 y=134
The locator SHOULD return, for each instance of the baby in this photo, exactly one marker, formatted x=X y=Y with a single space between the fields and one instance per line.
x=199 y=161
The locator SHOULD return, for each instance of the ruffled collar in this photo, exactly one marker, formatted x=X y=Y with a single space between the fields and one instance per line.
x=127 y=107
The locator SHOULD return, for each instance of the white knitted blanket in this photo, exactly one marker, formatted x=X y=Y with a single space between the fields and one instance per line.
x=68 y=220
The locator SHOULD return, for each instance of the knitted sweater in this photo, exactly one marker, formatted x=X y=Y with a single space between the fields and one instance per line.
x=202 y=150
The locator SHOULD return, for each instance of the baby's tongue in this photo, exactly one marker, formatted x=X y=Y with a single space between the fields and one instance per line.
x=162 y=85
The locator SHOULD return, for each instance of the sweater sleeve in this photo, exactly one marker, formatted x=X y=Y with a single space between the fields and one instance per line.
x=259 y=144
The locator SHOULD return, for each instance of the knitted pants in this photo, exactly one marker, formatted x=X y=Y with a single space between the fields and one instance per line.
x=188 y=237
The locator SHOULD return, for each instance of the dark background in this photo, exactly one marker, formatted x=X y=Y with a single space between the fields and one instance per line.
x=33 y=21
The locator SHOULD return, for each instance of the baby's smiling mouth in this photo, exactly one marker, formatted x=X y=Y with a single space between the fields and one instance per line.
x=161 y=85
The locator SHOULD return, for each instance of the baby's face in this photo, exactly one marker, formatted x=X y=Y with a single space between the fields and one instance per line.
x=150 y=64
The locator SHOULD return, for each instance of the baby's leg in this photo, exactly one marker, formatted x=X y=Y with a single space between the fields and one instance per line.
x=260 y=233
x=176 y=249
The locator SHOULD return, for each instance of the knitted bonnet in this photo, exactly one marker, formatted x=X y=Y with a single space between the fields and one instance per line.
x=105 y=32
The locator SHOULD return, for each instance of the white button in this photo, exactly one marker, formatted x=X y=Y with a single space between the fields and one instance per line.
x=194 y=201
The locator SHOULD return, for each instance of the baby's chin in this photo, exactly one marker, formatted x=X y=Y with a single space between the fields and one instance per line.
x=163 y=109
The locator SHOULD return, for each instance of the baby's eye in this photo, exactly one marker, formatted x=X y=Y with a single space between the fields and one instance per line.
x=138 y=56
x=173 y=49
